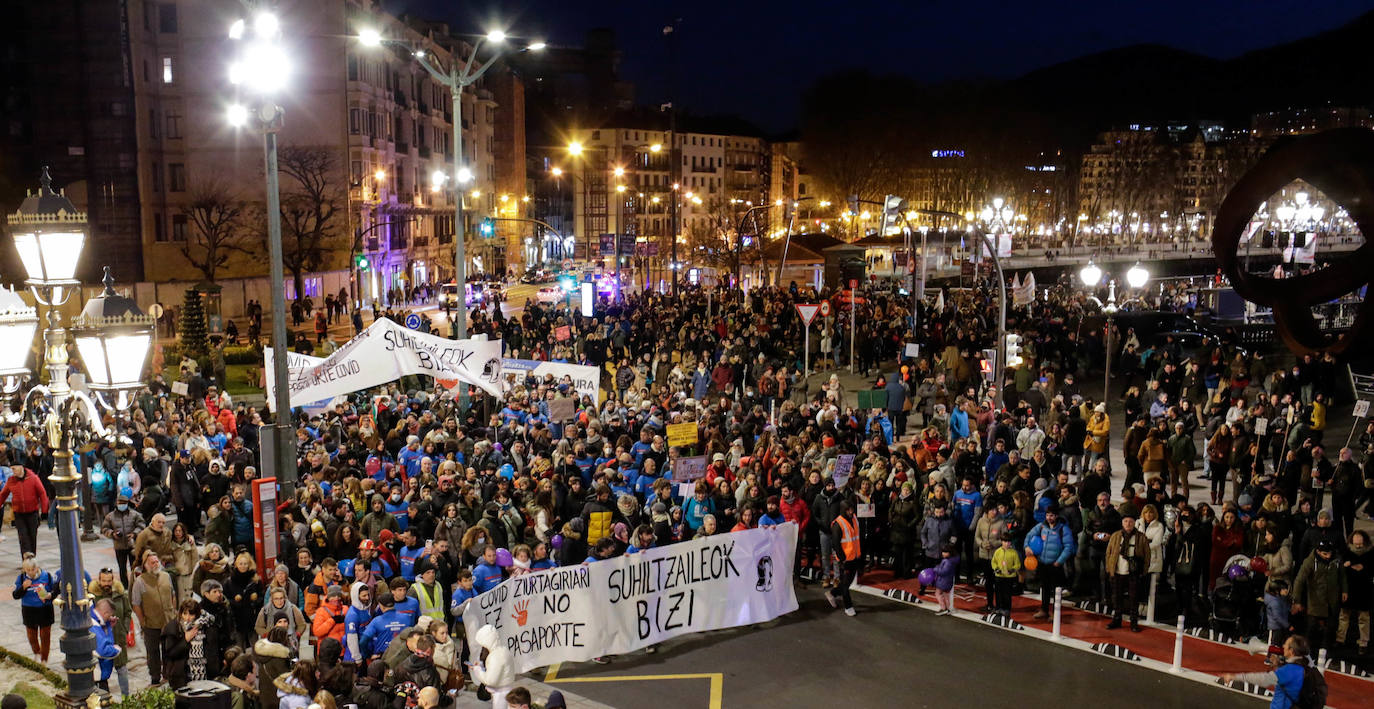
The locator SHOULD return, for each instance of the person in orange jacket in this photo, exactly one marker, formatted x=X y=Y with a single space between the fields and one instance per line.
x=329 y=617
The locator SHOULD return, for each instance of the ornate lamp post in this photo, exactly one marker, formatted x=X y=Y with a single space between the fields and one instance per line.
x=113 y=337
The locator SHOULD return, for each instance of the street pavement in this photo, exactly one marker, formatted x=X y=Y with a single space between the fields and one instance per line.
x=889 y=655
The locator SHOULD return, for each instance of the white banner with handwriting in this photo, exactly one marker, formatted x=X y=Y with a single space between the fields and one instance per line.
x=385 y=352
x=611 y=607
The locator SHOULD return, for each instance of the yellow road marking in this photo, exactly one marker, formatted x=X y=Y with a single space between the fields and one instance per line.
x=717 y=680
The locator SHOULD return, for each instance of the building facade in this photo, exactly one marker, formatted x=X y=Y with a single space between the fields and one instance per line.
x=137 y=123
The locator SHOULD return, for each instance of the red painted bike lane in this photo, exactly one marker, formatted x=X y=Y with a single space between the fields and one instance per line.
x=1155 y=643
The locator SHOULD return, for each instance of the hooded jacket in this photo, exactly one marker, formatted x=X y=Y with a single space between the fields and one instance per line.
x=1319 y=585
x=499 y=670
x=123 y=612
x=355 y=622
x=381 y=630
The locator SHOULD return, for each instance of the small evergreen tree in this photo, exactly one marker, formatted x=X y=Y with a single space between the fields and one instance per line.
x=192 y=329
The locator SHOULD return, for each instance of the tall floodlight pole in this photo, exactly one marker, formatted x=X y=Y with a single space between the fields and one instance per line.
x=459 y=76
x=260 y=70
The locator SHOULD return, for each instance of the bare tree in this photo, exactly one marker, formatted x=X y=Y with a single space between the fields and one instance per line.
x=217 y=216
x=311 y=208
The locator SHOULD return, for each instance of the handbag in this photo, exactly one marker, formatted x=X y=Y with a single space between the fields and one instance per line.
x=1184 y=565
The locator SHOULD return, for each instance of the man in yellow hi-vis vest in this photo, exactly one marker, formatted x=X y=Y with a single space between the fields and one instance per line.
x=845 y=529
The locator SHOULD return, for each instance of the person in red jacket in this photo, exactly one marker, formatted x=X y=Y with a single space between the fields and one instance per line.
x=25 y=492
x=795 y=509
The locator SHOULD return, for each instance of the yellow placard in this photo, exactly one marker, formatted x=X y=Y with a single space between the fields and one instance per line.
x=682 y=434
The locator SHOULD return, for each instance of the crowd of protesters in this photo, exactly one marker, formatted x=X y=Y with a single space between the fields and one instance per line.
x=407 y=507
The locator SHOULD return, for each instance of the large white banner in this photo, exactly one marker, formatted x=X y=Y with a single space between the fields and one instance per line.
x=385 y=352
x=611 y=607
x=296 y=360
x=585 y=379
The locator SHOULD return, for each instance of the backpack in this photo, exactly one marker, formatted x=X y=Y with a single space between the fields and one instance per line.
x=1312 y=695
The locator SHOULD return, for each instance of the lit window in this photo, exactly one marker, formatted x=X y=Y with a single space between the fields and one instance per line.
x=166 y=70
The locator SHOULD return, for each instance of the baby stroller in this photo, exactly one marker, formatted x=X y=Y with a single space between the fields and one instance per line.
x=1231 y=598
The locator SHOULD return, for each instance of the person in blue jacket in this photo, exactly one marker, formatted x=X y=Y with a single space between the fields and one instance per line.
x=884 y=423
x=356 y=620
x=958 y=422
x=399 y=508
x=1288 y=678
x=410 y=456
x=384 y=628
x=241 y=510
x=1053 y=542
x=35 y=590
x=402 y=602
x=487 y=574
x=105 y=648
x=410 y=554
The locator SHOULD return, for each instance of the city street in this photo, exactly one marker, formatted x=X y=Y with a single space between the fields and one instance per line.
x=889 y=655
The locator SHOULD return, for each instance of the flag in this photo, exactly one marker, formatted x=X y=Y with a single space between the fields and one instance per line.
x=1023 y=293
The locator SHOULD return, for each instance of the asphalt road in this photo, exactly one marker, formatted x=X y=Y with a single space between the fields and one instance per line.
x=890 y=655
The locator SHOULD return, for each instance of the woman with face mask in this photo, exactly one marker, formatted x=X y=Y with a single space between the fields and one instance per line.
x=122 y=525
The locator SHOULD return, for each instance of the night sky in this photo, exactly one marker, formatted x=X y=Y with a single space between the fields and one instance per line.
x=754 y=58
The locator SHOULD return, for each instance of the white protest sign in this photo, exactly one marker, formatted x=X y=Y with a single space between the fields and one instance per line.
x=686 y=489
x=293 y=360
x=617 y=606
x=912 y=350
x=1361 y=409
x=844 y=466
x=865 y=510
x=1261 y=426
x=585 y=379
x=385 y=352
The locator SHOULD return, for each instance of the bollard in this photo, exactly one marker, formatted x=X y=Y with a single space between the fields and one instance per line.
x=1058 y=607
x=1178 y=646
x=1321 y=660
x=1150 y=604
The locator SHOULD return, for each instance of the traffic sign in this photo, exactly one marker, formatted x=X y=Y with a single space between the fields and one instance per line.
x=567 y=264
x=825 y=308
x=808 y=312
x=413 y=321
x=155 y=310
x=853 y=283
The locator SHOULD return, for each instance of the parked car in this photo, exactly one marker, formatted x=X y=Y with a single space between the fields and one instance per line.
x=549 y=295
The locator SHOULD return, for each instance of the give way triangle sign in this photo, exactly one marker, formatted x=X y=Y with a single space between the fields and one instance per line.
x=808 y=312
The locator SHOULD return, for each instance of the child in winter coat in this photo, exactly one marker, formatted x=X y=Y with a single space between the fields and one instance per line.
x=936 y=532
x=945 y=572
x=1006 y=567
x=1276 y=605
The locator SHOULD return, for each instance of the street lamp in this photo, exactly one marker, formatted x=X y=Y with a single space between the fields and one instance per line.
x=457 y=78
x=1136 y=277
x=259 y=72
x=113 y=337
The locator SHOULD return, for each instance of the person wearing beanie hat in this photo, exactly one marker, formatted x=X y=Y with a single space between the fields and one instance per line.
x=14 y=701
x=329 y=617
x=427 y=591
x=1053 y=543
x=555 y=701
x=122 y=526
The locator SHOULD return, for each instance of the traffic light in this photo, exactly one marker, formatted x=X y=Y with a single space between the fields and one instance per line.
x=893 y=207
x=988 y=364
x=487 y=228
x=1013 y=348
x=854 y=204
x=362 y=263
